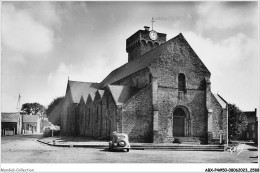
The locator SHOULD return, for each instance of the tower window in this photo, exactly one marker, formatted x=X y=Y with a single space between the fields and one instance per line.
x=181 y=82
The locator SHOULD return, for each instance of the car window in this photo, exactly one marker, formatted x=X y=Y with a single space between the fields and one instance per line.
x=114 y=138
x=120 y=137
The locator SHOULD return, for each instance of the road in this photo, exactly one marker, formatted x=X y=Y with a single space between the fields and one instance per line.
x=25 y=149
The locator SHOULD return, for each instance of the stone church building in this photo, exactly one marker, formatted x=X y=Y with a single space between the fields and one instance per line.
x=163 y=93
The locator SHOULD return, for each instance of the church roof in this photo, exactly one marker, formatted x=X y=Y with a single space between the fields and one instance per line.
x=221 y=101
x=122 y=93
x=101 y=92
x=140 y=63
x=10 y=117
x=83 y=89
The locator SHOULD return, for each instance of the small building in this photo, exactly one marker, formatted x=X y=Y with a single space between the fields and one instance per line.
x=10 y=123
x=251 y=133
x=31 y=124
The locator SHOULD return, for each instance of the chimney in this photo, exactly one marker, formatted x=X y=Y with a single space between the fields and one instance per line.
x=146 y=28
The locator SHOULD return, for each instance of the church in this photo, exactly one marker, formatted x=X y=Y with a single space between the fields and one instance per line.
x=161 y=95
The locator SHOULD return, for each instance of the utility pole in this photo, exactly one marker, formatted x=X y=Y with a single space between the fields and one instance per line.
x=227 y=125
x=18 y=108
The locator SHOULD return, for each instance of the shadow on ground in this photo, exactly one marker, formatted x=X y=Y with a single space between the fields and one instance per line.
x=107 y=150
x=252 y=144
x=62 y=139
x=253 y=157
x=252 y=149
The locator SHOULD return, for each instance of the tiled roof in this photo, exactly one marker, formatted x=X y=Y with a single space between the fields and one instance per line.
x=10 y=117
x=30 y=118
x=122 y=93
x=101 y=92
x=140 y=63
x=79 y=89
x=221 y=101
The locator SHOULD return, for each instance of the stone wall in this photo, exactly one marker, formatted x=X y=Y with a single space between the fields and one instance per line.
x=89 y=120
x=179 y=58
x=193 y=101
x=66 y=114
x=96 y=115
x=81 y=111
x=137 y=117
x=140 y=43
x=109 y=115
x=139 y=79
x=219 y=121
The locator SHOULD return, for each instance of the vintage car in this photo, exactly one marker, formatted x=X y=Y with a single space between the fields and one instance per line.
x=119 y=141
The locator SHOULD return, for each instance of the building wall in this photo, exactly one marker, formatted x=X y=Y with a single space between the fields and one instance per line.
x=251 y=132
x=105 y=113
x=9 y=126
x=109 y=114
x=219 y=122
x=97 y=106
x=65 y=115
x=89 y=117
x=68 y=115
x=82 y=117
x=193 y=101
x=137 y=117
x=180 y=58
x=140 y=43
x=139 y=79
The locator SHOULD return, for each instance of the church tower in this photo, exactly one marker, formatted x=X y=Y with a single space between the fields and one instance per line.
x=143 y=41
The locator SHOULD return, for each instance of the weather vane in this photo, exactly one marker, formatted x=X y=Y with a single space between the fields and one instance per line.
x=152 y=22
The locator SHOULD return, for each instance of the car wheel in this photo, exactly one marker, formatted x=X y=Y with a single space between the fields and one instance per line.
x=127 y=150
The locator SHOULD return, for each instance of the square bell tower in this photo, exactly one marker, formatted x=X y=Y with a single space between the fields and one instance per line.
x=143 y=41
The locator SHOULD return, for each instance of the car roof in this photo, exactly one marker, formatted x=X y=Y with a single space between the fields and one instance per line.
x=118 y=134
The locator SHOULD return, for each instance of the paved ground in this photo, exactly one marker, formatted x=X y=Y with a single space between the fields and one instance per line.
x=25 y=149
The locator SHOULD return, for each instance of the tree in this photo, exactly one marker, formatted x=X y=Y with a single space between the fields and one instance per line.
x=33 y=108
x=237 y=122
x=54 y=109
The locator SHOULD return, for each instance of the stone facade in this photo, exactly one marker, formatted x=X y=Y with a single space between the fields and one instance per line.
x=161 y=94
x=137 y=116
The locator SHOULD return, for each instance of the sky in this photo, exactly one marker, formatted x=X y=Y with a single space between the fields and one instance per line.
x=44 y=43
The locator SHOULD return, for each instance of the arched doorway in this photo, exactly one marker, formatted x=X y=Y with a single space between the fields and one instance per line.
x=181 y=122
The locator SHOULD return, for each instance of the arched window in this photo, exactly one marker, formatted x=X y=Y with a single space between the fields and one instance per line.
x=181 y=82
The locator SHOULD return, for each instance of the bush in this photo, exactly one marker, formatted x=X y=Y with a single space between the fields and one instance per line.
x=48 y=132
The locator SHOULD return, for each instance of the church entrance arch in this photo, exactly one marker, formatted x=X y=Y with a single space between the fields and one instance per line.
x=181 y=122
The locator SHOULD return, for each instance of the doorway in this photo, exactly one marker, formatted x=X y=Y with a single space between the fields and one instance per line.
x=179 y=122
